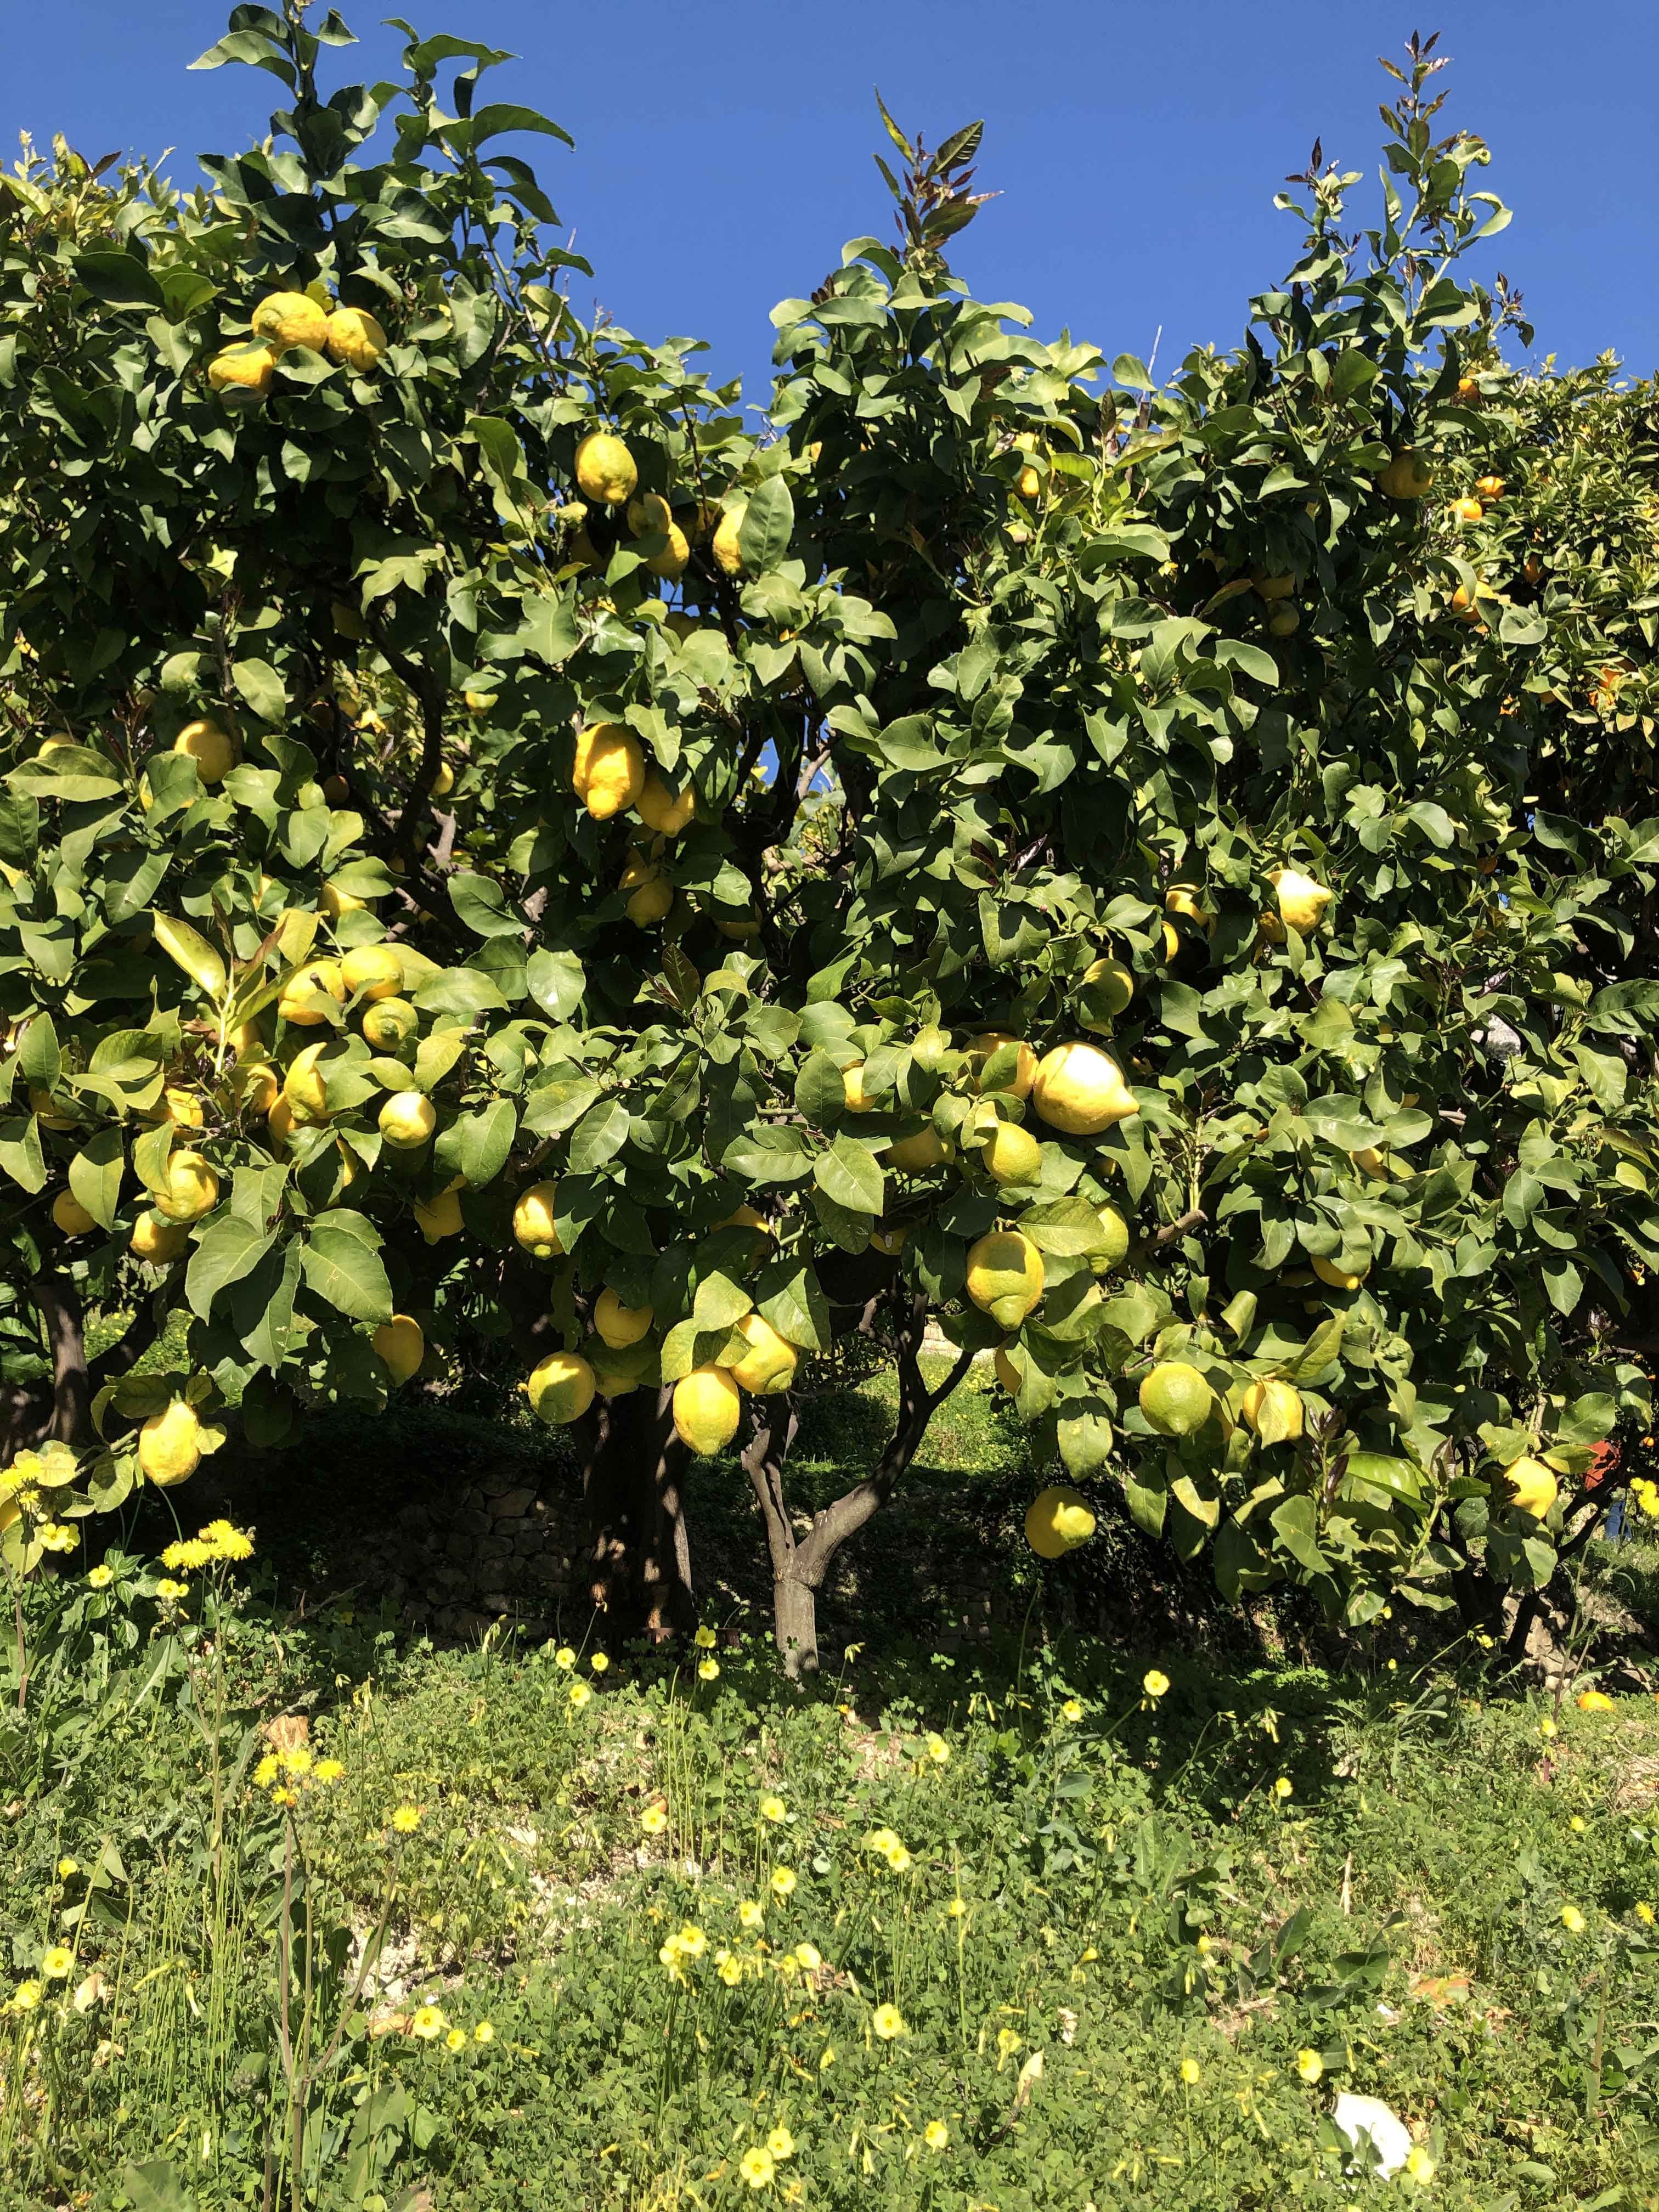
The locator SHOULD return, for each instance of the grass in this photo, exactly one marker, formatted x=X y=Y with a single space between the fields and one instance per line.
x=530 y=1947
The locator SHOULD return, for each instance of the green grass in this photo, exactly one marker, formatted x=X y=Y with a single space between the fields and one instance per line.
x=1135 y=1891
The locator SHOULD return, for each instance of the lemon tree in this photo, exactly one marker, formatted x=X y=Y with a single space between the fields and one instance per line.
x=497 y=850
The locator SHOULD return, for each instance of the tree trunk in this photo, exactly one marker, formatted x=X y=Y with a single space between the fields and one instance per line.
x=801 y=1564
x=61 y=1409
x=639 y=1557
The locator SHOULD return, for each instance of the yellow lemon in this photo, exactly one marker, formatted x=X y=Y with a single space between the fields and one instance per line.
x=1115 y=1245
x=859 y=1101
x=1370 y=1162
x=1171 y=941
x=258 y=1086
x=561 y=1388
x=282 y=319
x=1272 y=588
x=744 y=1217
x=371 y=971
x=478 y=703
x=1274 y=1410
x=1407 y=477
x=440 y=1217
x=889 y=1242
x=306 y=996
x=401 y=1343
x=193 y=1188
x=305 y=1086
x=915 y=1155
x=1337 y=1278
x=182 y=1108
x=651 y=903
x=620 y=1325
x=389 y=1023
x=1057 y=1521
x=649 y=515
x=982 y=1047
x=1301 y=899
x=670 y=562
x=609 y=769
x=1111 y=986
x=161 y=1242
x=1176 y=1399
x=1011 y=1154
x=69 y=1215
x=727 y=546
x=407 y=1120
x=169 y=1445
x=1005 y=1371
x=443 y=782
x=1004 y=1276
x=1531 y=1485
x=356 y=338
x=770 y=1362
x=605 y=470
x=334 y=900
x=1080 y=1090
x=243 y=369
x=533 y=1224
x=707 y=1407
x=1188 y=899
x=207 y=745
x=662 y=810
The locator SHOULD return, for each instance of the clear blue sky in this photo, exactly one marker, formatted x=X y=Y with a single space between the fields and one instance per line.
x=723 y=148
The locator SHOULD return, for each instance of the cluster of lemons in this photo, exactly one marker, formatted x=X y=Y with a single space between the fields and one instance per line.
x=307 y=322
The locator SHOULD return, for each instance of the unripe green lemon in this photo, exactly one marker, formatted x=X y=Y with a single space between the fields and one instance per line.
x=408 y=1119
x=1004 y=1276
x=620 y=1325
x=707 y=1407
x=1114 y=1233
x=1176 y=1399
x=169 y=1445
x=769 y=1365
x=401 y=1343
x=915 y=1155
x=1011 y=1154
x=532 y=1220
x=1057 y=1521
x=561 y=1389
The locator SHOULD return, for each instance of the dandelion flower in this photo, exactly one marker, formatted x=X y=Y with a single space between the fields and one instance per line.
x=653 y=1820
x=755 y=2166
x=229 y=1542
x=936 y=1748
x=783 y=1881
x=1282 y=1788
x=772 y=1808
x=808 y=1957
x=1645 y=1914
x=296 y=1761
x=1155 y=1683
x=704 y=1640
x=708 y=1670
x=888 y=2022
x=406 y=1820
x=565 y=1657
x=1572 y=1920
x=187 y=1554
x=1071 y=1710
x=600 y=1661
x=26 y=1996
x=579 y=1694
x=100 y=1576
x=1190 y=2071
x=781 y=2143
x=429 y=2023
x=56 y=1963
x=456 y=2039
x=936 y=2135
x=751 y=1914
x=1310 y=2065
x=265 y=1772
x=327 y=1771
x=483 y=2032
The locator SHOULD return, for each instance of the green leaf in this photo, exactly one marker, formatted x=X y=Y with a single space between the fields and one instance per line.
x=155 y=2187
x=847 y=1175
x=557 y=982
x=71 y=772
x=598 y=1136
x=20 y=1155
x=481 y=1142
x=229 y=1248
x=482 y=905
x=768 y=1152
x=788 y=1296
x=820 y=1094
x=768 y=523
x=95 y=1174
x=189 y=949
x=119 y=280
x=720 y=1302
x=552 y=1107
x=261 y=688
x=342 y=1263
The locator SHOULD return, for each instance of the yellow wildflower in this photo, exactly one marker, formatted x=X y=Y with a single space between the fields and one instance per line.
x=26 y=1996
x=751 y=1914
x=265 y=1772
x=773 y=1808
x=653 y=1820
x=429 y=2023
x=1310 y=2065
x=1282 y=1788
x=483 y=2032
x=100 y=1576
x=1190 y=2071
x=755 y=2166
x=808 y=1957
x=1419 y=2166
x=66 y=1867
x=456 y=2039
x=780 y=2143
x=888 y=2022
x=936 y=2135
x=406 y=1820
x=783 y=1881
x=1155 y=1683
x=579 y=1694
x=1572 y=1920
x=936 y=1748
x=704 y=1640
x=56 y=1963
x=327 y=1771
x=1071 y=1710
x=565 y=1657
x=598 y=1661
x=708 y=1670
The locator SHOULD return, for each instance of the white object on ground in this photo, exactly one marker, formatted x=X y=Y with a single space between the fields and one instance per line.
x=1369 y=2116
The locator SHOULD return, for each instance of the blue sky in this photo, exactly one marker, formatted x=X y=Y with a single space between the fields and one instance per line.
x=723 y=149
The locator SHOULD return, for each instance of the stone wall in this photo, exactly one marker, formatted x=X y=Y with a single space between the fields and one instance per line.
x=503 y=1551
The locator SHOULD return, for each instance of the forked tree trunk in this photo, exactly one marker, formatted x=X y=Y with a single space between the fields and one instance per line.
x=799 y=1563
x=61 y=1409
x=639 y=1557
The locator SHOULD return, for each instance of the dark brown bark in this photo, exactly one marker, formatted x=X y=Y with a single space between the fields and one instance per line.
x=799 y=1563
x=31 y=1414
x=633 y=1476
